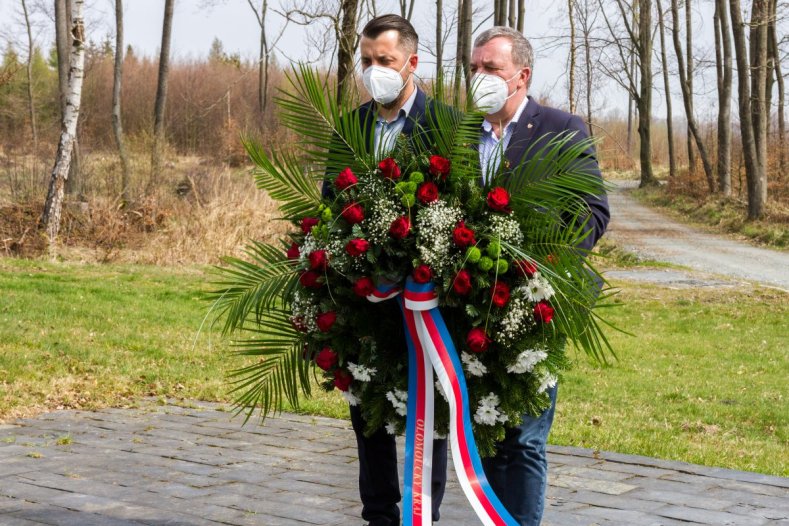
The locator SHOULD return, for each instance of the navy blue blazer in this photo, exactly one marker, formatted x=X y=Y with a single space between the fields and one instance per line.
x=539 y=124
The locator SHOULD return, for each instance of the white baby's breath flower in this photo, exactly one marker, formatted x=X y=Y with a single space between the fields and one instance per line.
x=474 y=367
x=506 y=228
x=434 y=225
x=516 y=320
x=361 y=372
x=526 y=361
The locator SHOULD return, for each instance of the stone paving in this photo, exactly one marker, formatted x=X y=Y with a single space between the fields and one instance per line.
x=196 y=465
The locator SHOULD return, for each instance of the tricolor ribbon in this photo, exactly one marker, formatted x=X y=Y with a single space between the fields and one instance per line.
x=430 y=348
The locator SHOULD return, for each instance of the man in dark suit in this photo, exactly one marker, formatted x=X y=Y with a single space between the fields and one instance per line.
x=389 y=58
x=516 y=124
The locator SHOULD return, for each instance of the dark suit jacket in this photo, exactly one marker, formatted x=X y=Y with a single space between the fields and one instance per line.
x=536 y=126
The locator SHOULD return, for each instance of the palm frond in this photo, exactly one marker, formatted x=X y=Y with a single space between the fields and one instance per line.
x=252 y=286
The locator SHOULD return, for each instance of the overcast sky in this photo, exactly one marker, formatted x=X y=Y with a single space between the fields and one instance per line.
x=198 y=22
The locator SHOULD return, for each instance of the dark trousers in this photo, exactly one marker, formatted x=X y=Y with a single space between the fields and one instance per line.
x=519 y=471
x=379 y=484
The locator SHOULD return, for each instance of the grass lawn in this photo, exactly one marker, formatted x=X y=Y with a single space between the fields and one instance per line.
x=703 y=381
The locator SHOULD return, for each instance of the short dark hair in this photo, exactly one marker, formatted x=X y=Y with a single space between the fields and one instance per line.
x=408 y=38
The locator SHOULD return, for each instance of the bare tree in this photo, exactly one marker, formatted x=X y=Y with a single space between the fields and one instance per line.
x=639 y=45
x=773 y=51
x=406 y=9
x=266 y=48
x=463 y=44
x=571 y=89
x=30 y=98
x=723 y=69
x=117 y=124
x=439 y=41
x=687 y=99
x=161 y=94
x=755 y=170
x=672 y=156
x=689 y=75
x=348 y=40
x=63 y=23
x=760 y=71
x=586 y=16
x=521 y=14
x=50 y=219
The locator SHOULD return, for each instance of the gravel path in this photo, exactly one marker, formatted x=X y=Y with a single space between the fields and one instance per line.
x=654 y=235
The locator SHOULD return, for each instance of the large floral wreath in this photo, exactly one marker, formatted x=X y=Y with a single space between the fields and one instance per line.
x=502 y=256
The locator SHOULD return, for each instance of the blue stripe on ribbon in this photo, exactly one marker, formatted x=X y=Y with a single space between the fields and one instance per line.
x=410 y=423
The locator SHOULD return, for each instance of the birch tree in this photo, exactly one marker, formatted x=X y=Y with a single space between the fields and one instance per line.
x=117 y=124
x=50 y=219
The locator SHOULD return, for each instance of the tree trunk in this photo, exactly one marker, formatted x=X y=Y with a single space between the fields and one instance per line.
x=161 y=95
x=689 y=46
x=687 y=100
x=753 y=168
x=521 y=13
x=645 y=94
x=117 y=126
x=588 y=60
x=346 y=45
x=263 y=62
x=724 y=77
x=672 y=155
x=440 y=42
x=631 y=98
x=465 y=54
x=512 y=18
x=571 y=90
x=781 y=93
x=459 y=49
x=50 y=218
x=30 y=98
x=759 y=109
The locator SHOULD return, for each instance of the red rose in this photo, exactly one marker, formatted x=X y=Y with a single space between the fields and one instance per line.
x=462 y=283
x=353 y=213
x=477 y=340
x=293 y=251
x=345 y=179
x=427 y=192
x=310 y=280
x=356 y=247
x=400 y=227
x=342 y=379
x=499 y=200
x=325 y=320
x=307 y=223
x=363 y=287
x=423 y=274
x=389 y=168
x=439 y=166
x=525 y=268
x=500 y=294
x=326 y=358
x=463 y=236
x=319 y=260
x=543 y=312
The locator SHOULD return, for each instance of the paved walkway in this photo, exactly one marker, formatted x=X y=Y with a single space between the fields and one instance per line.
x=170 y=465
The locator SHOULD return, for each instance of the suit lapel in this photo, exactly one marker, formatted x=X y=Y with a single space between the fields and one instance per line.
x=523 y=134
x=417 y=113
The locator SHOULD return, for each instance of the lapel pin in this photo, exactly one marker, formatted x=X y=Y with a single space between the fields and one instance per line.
x=530 y=125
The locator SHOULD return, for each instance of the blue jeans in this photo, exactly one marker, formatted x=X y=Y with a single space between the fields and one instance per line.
x=519 y=471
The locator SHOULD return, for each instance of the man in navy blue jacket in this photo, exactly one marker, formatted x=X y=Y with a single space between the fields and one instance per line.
x=389 y=58
x=516 y=124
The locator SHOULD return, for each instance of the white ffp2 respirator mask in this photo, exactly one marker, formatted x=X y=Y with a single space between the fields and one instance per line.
x=383 y=84
x=489 y=92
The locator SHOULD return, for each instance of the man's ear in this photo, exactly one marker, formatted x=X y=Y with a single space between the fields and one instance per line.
x=526 y=76
x=413 y=61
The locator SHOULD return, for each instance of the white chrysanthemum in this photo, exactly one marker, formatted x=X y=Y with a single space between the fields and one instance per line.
x=538 y=289
x=351 y=398
x=435 y=223
x=361 y=372
x=548 y=381
x=391 y=428
x=473 y=366
x=526 y=361
x=506 y=228
x=487 y=411
x=399 y=400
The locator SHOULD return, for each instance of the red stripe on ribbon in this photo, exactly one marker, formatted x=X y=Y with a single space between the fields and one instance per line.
x=419 y=445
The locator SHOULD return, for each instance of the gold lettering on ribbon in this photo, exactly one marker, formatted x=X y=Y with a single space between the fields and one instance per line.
x=419 y=455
